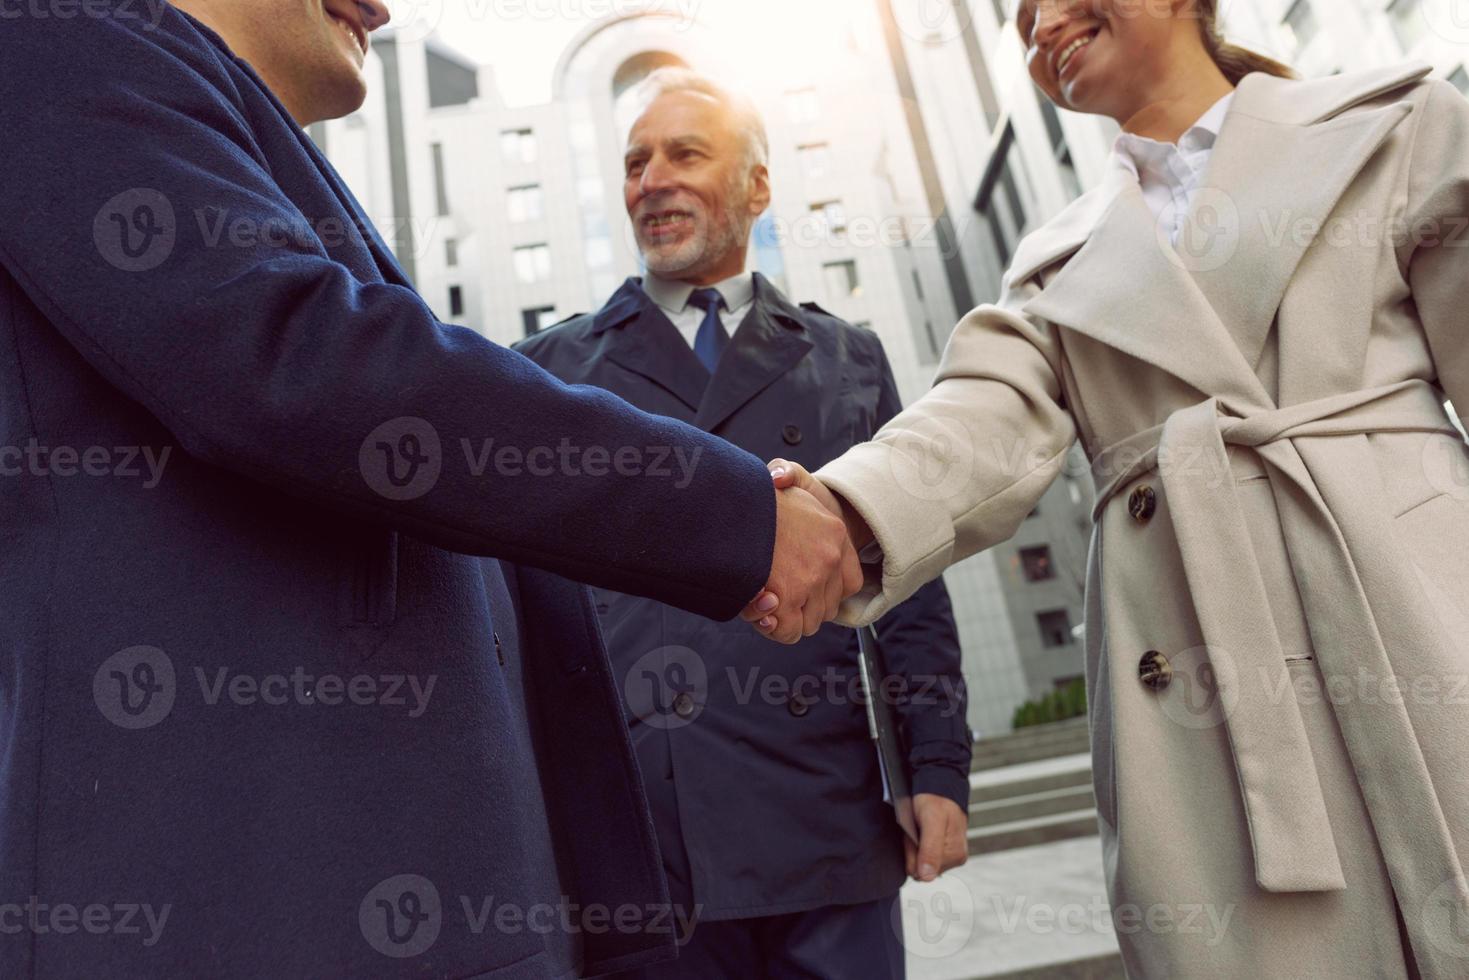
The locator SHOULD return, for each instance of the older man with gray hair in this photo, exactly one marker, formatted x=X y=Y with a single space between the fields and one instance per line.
x=781 y=856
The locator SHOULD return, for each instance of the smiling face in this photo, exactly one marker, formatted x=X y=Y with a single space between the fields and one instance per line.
x=691 y=190
x=310 y=52
x=1104 y=56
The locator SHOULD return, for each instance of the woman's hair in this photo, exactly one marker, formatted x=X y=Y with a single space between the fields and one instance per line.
x=1234 y=61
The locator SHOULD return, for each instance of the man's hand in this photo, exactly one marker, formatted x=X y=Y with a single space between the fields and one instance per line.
x=814 y=569
x=942 y=837
x=769 y=612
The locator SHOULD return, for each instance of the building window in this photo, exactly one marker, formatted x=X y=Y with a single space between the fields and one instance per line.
x=518 y=146
x=1460 y=79
x=803 y=106
x=1408 y=22
x=532 y=263
x=999 y=202
x=841 y=279
x=451 y=252
x=918 y=285
x=815 y=160
x=1300 y=27
x=537 y=319
x=456 y=301
x=1036 y=563
x=441 y=189
x=1055 y=627
x=830 y=217
x=525 y=203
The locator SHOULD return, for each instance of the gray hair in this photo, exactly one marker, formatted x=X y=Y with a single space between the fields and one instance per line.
x=749 y=126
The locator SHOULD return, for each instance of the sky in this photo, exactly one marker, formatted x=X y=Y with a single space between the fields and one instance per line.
x=523 y=39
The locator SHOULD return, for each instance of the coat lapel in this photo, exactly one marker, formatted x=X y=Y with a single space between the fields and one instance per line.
x=1266 y=196
x=769 y=342
x=1203 y=310
x=643 y=340
x=1150 y=308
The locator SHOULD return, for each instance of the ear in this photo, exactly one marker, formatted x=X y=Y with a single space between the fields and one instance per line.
x=759 y=190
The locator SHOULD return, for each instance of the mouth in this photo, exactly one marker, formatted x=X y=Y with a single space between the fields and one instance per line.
x=355 y=32
x=662 y=226
x=1067 y=55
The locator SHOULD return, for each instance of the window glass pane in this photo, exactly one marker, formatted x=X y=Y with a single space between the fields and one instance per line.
x=525 y=203
x=841 y=279
x=532 y=263
x=1055 y=627
x=1035 y=563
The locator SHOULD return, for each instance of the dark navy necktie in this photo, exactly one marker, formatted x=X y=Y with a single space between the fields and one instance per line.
x=712 y=338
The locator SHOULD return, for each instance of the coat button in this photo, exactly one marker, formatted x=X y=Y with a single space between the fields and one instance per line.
x=1154 y=670
x=791 y=434
x=683 y=706
x=798 y=707
x=1142 y=503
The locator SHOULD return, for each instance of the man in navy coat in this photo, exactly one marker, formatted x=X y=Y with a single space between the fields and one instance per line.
x=292 y=682
x=764 y=783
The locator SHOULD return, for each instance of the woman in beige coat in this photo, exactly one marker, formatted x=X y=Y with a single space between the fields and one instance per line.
x=1277 y=624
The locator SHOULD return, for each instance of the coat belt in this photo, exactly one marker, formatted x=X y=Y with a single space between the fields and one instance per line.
x=1291 y=837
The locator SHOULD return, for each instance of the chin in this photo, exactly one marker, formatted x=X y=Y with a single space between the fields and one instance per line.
x=341 y=97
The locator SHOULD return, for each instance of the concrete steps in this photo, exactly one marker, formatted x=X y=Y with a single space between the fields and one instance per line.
x=1031 y=745
x=1031 y=803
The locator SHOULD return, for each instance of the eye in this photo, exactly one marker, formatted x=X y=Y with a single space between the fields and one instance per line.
x=635 y=167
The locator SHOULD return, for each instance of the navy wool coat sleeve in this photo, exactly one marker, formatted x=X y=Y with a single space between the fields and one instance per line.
x=267 y=355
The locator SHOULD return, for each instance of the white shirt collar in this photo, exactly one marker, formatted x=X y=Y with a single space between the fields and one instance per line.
x=673 y=295
x=1141 y=153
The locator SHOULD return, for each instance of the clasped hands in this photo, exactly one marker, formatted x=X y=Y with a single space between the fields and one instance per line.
x=817 y=537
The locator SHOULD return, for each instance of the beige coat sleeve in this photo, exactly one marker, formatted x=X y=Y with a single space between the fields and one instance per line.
x=962 y=467
x=1437 y=241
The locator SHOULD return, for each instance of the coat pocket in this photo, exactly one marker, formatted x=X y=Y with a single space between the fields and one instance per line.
x=368 y=596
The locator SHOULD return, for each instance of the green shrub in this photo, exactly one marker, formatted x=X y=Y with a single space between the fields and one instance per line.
x=1058 y=705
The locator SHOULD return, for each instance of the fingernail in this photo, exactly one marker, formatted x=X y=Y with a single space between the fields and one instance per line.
x=928 y=872
x=778 y=473
x=767 y=623
x=767 y=603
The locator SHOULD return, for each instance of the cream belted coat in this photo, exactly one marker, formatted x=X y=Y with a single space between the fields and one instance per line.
x=1277 y=624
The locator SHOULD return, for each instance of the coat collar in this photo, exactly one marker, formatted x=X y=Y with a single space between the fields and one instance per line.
x=1284 y=157
x=770 y=341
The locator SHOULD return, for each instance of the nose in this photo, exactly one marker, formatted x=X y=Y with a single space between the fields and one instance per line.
x=657 y=176
x=1052 y=17
x=375 y=14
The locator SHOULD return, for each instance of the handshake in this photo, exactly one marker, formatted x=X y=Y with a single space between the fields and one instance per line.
x=815 y=567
